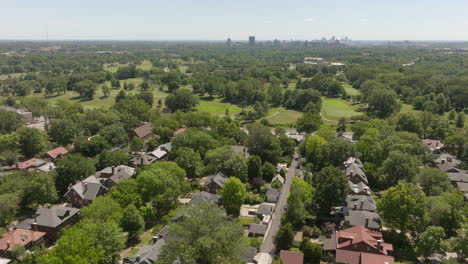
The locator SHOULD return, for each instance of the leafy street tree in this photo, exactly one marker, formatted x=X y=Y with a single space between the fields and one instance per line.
x=132 y=221
x=312 y=252
x=233 y=195
x=8 y=205
x=460 y=122
x=32 y=141
x=403 y=206
x=126 y=192
x=136 y=144
x=103 y=209
x=72 y=168
x=284 y=237
x=114 y=134
x=299 y=203
x=430 y=241
x=383 y=102
x=433 y=181
x=314 y=150
x=105 y=90
x=189 y=160
x=308 y=123
x=205 y=235
x=447 y=211
x=399 y=166
x=331 y=186
x=39 y=190
x=254 y=164
x=262 y=143
x=10 y=121
x=109 y=159
x=63 y=131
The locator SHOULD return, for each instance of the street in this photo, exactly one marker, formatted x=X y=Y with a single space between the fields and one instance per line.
x=268 y=245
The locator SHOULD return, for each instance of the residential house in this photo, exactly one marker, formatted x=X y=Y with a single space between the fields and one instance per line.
x=256 y=230
x=34 y=164
x=84 y=192
x=370 y=220
x=5 y=261
x=215 y=183
x=158 y=153
x=278 y=178
x=447 y=163
x=359 y=245
x=180 y=130
x=248 y=255
x=241 y=149
x=272 y=195
x=149 y=254
x=203 y=196
x=265 y=209
x=298 y=137
x=166 y=147
x=291 y=257
x=360 y=203
x=359 y=188
x=281 y=167
x=144 y=131
x=462 y=186
x=297 y=239
x=144 y=160
x=355 y=174
x=51 y=220
x=27 y=239
x=26 y=116
x=113 y=175
x=434 y=145
x=56 y=153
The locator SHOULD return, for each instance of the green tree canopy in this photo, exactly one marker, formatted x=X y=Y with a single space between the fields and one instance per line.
x=233 y=195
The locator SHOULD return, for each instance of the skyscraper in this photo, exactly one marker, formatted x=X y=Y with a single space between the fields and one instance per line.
x=252 y=41
x=228 y=42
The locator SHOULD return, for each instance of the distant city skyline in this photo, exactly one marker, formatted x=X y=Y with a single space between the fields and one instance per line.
x=222 y=19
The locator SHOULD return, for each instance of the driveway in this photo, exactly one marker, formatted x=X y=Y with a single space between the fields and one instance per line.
x=268 y=246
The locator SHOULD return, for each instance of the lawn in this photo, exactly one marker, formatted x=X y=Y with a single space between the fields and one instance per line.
x=336 y=108
x=11 y=75
x=407 y=108
x=113 y=67
x=350 y=90
x=217 y=107
x=285 y=116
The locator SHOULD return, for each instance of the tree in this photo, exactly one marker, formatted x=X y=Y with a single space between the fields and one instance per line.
x=312 y=252
x=147 y=97
x=72 y=168
x=383 y=102
x=63 y=131
x=110 y=159
x=114 y=134
x=106 y=90
x=205 y=235
x=284 y=237
x=135 y=107
x=314 y=150
x=136 y=144
x=189 y=160
x=403 y=206
x=225 y=160
x=331 y=186
x=308 y=123
x=233 y=195
x=8 y=205
x=32 y=141
x=433 y=181
x=126 y=192
x=39 y=190
x=182 y=99
x=103 y=209
x=9 y=121
x=86 y=88
x=399 y=166
x=299 y=202
x=430 y=241
x=460 y=120
x=262 y=143
x=144 y=86
x=447 y=211
x=268 y=171
x=132 y=221
x=459 y=243
x=254 y=164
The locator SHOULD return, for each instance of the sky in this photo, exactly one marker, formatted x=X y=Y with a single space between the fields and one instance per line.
x=237 y=19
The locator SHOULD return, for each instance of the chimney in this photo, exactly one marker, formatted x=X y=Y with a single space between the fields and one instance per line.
x=362 y=202
x=367 y=221
x=8 y=244
x=48 y=206
x=355 y=206
x=351 y=173
x=85 y=187
x=113 y=170
x=437 y=144
x=141 y=161
x=154 y=239
x=443 y=161
x=379 y=244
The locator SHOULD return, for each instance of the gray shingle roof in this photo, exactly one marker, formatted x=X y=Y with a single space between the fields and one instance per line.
x=355 y=218
x=272 y=195
x=203 y=196
x=219 y=178
x=143 y=160
x=167 y=146
x=362 y=202
x=148 y=254
x=50 y=217
x=278 y=178
x=88 y=188
x=462 y=186
x=358 y=188
x=258 y=229
x=265 y=209
x=353 y=170
x=458 y=176
x=122 y=172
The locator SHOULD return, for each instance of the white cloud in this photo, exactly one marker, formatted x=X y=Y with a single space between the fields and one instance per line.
x=364 y=20
x=267 y=21
x=311 y=19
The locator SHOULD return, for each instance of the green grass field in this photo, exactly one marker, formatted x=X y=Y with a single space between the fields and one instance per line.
x=350 y=90
x=113 y=67
x=11 y=75
x=285 y=116
x=217 y=107
x=335 y=108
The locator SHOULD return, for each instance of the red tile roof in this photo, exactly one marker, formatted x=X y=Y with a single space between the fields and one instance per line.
x=19 y=237
x=180 y=130
x=348 y=257
x=367 y=258
x=290 y=257
x=57 y=152
x=434 y=144
x=24 y=165
x=358 y=234
x=353 y=257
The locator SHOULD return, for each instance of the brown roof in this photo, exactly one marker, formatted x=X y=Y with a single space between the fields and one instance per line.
x=57 y=152
x=180 y=130
x=290 y=257
x=25 y=164
x=358 y=234
x=143 y=130
x=367 y=258
x=19 y=237
x=348 y=257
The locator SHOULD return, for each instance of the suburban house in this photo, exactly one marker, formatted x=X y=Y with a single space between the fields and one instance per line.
x=149 y=254
x=56 y=153
x=113 y=175
x=166 y=147
x=281 y=167
x=434 y=145
x=158 y=153
x=359 y=245
x=84 y=192
x=313 y=60
x=355 y=174
x=360 y=203
x=359 y=188
x=241 y=149
x=27 y=239
x=26 y=116
x=144 y=131
x=447 y=163
x=256 y=230
x=138 y=162
x=51 y=220
x=265 y=209
x=34 y=165
x=370 y=220
x=272 y=195
x=248 y=255
x=291 y=257
x=203 y=196
x=215 y=183
x=278 y=178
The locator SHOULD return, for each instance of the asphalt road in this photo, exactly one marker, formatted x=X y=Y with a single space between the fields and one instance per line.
x=268 y=246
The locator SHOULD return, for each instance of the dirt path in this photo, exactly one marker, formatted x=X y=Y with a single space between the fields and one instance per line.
x=274 y=114
x=326 y=119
